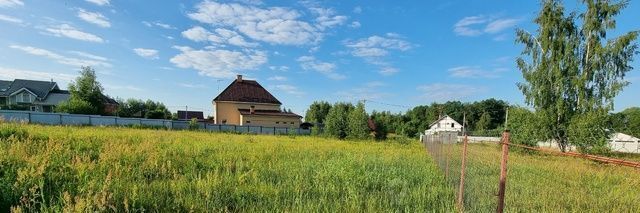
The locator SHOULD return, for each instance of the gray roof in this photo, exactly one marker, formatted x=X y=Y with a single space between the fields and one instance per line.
x=39 y=88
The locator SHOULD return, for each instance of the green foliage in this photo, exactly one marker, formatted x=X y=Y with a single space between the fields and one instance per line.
x=524 y=127
x=627 y=121
x=572 y=70
x=194 y=124
x=336 y=123
x=317 y=112
x=85 y=94
x=141 y=109
x=484 y=122
x=76 y=106
x=587 y=132
x=358 y=127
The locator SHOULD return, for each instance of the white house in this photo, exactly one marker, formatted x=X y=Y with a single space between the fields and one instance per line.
x=444 y=124
x=621 y=142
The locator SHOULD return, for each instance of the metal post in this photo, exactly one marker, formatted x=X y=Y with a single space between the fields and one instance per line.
x=29 y=117
x=462 y=171
x=503 y=171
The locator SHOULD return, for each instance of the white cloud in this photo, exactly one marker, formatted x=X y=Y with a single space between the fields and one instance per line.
x=99 y=2
x=219 y=36
x=439 y=92
x=192 y=86
x=357 y=10
x=279 y=68
x=94 y=18
x=478 y=25
x=10 y=19
x=500 y=25
x=376 y=46
x=277 y=78
x=146 y=53
x=11 y=73
x=77 y=62
x=325 y=68
x=275 y=25
x=89 y=55
x=327 y=18
x=475 y=72
x=373 y=48
x=68 y=31
x=159 y=24
x=218 y=63
x=11 y=3
x=293 y=90
x=355 y=24
x=121 y=87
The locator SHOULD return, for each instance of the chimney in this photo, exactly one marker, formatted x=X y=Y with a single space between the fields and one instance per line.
x=252 y=110
x=239 y=78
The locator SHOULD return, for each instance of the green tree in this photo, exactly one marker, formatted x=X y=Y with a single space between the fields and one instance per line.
x=358 y=127
x=317 y=112
x=484 y=123
x=524 y=126
x=571 y=70
x=85 y=94
x=336 y=124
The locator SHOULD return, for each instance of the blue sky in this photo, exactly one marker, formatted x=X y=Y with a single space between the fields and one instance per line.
x=396 y=54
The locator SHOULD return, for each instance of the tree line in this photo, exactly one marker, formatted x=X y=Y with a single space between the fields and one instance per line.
x=86 y=96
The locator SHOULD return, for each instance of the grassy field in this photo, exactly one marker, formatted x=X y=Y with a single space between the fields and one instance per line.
x=543 y=183
x=48 y=168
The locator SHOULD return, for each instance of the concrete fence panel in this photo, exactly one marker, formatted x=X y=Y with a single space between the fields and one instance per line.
x=76 y=120
x=151 y=122
x=127 y=121
x=15 y=116
x=45 y=118
x=103 y=121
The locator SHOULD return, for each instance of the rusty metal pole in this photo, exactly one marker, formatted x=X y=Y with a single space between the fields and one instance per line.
x=462 y=171
x=503 y=171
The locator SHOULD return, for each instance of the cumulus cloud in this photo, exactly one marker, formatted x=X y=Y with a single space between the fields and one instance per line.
x=274 y=25
x=147 y=53
x=478 y=25
x=218 y=63
x=440 y=92
x=159 y=24
x=327 y=17
x=10 y=19
x=355 y=24
x=68 y=31
x=94 y=18
x=99 y=2
x=325 y=68
x=368 y=91
x=11 y=3
x=219 y=36
x=76 y=62
x=374 y=48
x=279 y=68
x=11 y=73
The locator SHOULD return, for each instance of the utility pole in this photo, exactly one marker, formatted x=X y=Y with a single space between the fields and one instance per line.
x=186 y=112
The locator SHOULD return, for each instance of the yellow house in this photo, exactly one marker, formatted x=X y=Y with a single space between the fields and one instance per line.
x=247 y=103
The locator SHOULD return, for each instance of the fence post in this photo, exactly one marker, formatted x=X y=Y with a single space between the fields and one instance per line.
x=462 y=171
x=60 y=119
x=29 y=115
x=503 y=171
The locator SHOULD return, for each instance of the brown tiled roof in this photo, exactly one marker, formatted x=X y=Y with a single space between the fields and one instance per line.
x=246 y=91
x=190 y=114
x=268 y=112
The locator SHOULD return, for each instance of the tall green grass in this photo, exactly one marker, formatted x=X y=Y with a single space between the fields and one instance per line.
x=543 y=183
x=49 y=168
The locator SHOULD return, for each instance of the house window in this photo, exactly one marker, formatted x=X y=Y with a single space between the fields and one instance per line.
x=26 y=97
x=291 y=122
x=248 y=122
x=224 y=121
x=33 y=108
x=451 y=125
x=277 y=122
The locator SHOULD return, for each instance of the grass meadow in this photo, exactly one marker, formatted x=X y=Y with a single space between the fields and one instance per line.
x=543 y=183
x=71 y=169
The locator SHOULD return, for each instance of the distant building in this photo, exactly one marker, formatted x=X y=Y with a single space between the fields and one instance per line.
x=188 y=115
x=110 y=105
x=621 y=142
x=246 y=102
x=444 y=124
x=39 y=96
